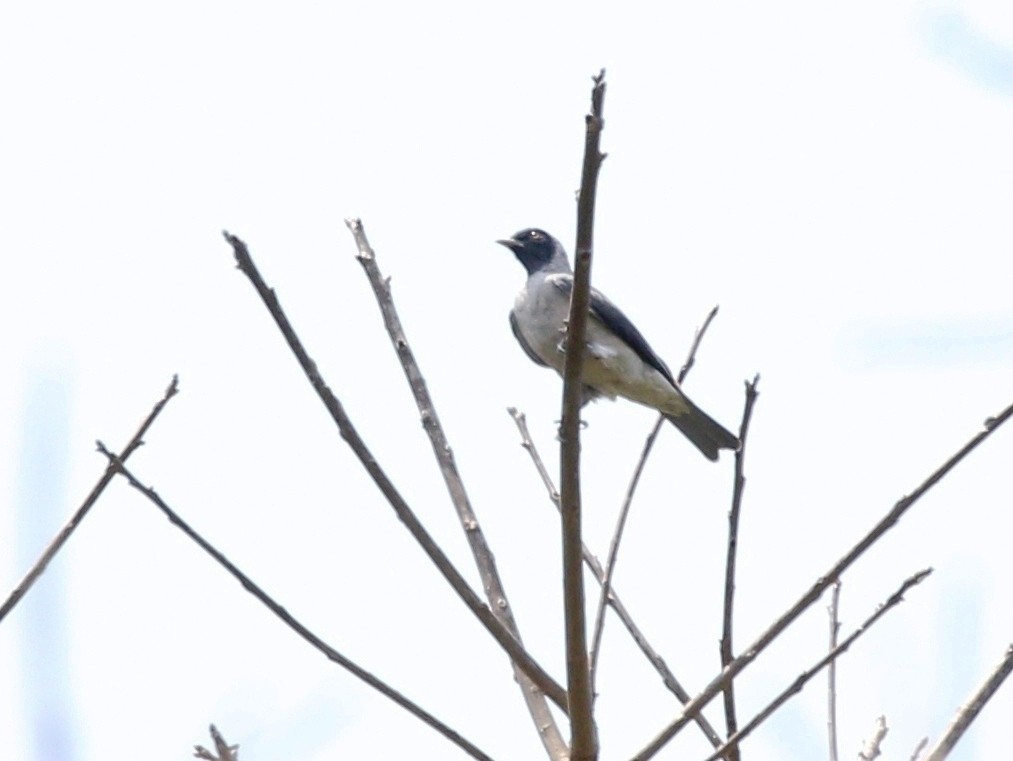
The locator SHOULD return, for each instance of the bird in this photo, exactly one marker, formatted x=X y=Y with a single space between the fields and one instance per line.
x=618 y=361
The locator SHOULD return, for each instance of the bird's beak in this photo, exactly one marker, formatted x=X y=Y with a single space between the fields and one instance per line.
x=509 y=243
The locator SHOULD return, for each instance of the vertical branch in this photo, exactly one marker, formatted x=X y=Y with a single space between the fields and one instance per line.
x=835 y=628
x=584 y=741
x=667 y=677
x=733 y=542
x=969 y=712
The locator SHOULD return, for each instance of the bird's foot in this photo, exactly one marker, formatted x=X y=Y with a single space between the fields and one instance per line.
x=559 y=428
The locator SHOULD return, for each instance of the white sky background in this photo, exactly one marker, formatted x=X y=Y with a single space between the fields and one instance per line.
x=838 y=180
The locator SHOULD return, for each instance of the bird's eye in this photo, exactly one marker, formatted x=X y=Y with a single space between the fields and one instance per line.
x=535 y=235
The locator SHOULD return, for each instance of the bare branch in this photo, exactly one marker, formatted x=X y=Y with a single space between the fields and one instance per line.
x=617 y=537
x=248 y=584
x=522 y=425
x=64 y=534
x=970 y=710
x=805 y=676
x=885 y=524
x=223 y=751
x=731 y=722
x=584 y=740
x=835 y=628
x=554 y=743
x=348 y=432
x=919 y=748
x=667 y=677
x=871 y=748
x=691 y=357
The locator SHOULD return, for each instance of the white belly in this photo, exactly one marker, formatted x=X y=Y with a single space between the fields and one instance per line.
x=611 y=367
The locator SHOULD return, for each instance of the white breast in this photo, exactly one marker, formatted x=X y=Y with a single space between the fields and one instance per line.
x=611 y=367
x=541 y=312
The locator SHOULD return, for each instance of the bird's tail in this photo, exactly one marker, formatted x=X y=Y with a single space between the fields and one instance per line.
x=707 y=434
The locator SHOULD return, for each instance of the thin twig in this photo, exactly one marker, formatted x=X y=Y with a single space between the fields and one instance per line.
x=64 y=534
x=348 y=432
x=223 y=751
x=970 y=710
x=871 y=748
x=697 y=338
x=617 y=534
x=731 y=723
x=248 y=584
x=538 y=707
x=584 y=739
x=613 y=554
x=885 y=524
x=800 y=682
x=526 y=441
x=919 y=748
x=652 y=655
x=835 y=629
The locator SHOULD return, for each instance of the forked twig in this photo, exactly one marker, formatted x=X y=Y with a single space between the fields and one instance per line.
x=727 y=656
x=871 y=748
x=528 y=443
x=805 y=676
x=584 y=736
x=248 y=584
x=223 y=751
x=970 y=710
x=554 y=743
x=885 y=524
x=348 y=432
x=64 y=534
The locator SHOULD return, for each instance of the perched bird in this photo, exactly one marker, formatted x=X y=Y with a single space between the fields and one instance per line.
x=617 y=360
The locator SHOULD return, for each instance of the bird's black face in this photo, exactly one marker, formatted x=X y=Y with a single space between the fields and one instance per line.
x=533 y=247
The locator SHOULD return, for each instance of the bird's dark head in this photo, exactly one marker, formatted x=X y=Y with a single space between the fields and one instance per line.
x=537 y=250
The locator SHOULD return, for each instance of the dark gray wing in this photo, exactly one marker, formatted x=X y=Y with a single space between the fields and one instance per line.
x=612 y=318
x=524 y=344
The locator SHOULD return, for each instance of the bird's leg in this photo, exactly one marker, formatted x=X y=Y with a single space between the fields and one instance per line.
x=559 y=427
x=587 y=394
x=561 y=346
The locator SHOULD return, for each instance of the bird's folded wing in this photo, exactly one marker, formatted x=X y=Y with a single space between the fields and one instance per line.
x=609 y=315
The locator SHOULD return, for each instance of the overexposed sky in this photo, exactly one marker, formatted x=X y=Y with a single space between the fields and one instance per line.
x=837 y=179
